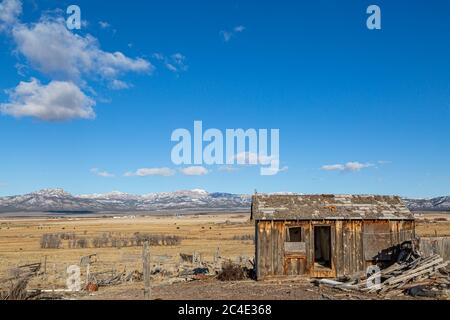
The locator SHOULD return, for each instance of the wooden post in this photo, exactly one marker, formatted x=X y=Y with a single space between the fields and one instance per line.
x=88 y=271
x=217 y=255
x=55 y=274
x=146 y=269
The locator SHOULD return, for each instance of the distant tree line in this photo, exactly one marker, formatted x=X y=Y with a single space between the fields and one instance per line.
x=106 y=240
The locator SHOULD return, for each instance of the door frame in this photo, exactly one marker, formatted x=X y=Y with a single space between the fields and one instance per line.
x=323 y=272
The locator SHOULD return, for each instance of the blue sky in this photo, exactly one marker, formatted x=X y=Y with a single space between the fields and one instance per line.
x=359 y=111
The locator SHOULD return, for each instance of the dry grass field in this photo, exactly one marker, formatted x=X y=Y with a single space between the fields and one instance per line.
x=20 y=244
x=431 y=224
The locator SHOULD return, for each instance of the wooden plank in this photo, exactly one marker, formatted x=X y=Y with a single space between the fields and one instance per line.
x=257 y=256
x=267 y=248
x=430 y=270
x=352 y=248
x=272 y=233
x=279 y=253
x=359 y=247
x=262 y=250
x=347 y=248
x=333 y=245
x=295 y=247
x=339 y=252
x=309 y=234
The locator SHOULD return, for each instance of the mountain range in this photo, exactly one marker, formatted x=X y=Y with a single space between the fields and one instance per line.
x=58 y=200
x=433 y=204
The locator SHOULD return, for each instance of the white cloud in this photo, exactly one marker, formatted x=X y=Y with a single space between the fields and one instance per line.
x=252 y=158
x=158 y=56
x=100 y=173
x=178 y=58
x=119 y=85
x=175 y=63
x=104 y=24
x=10 y=11
x=333 y=167
x=57 y=101
x=349 y=166
x=239 y=29
x=55 y=51
x=228 y=35
x=144 y=172
x=171 y=67
x=195 y=171
x=271 y=171
x=356 y=166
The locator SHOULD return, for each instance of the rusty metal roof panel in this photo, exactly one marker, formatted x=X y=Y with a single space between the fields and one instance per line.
x=329 y=207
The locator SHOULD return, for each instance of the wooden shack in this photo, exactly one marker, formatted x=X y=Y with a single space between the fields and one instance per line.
x=326 y=236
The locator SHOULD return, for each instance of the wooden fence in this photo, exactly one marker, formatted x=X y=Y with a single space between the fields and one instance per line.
x=435 y=245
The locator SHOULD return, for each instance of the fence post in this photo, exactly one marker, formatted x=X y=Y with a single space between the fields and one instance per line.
x=146 y=269
x=45 y=265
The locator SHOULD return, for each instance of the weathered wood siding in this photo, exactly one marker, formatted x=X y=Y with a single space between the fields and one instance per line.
x=349 y=240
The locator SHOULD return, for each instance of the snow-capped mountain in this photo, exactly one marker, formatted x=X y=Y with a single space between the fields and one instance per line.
x=59 y=200
x=434 y=204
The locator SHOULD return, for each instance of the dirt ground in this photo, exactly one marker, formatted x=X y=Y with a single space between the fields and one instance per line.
x=299 y=289
x=204 y=234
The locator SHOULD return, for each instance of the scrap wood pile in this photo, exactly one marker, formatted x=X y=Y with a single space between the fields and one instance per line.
x=15 y=287
x=422 y=277
x=412 y=274
x=111 y=278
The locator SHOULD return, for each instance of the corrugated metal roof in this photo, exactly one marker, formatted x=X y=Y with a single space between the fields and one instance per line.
x=331 y=207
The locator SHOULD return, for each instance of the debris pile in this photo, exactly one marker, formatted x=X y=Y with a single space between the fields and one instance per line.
x=411 y=274
x=15 y=287
x=426 y=274
x=233 y=272
x=111 y=278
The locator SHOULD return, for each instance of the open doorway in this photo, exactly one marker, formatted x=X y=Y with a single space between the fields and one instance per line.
x=322 y=247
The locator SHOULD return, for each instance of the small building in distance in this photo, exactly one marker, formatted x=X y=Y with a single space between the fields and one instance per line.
x=326 y=236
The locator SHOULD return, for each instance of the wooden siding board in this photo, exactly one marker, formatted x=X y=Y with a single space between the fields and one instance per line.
x=378 y=236
x=360 y=250
x=280 y=253
x=263 y=249
x=257 y=255
x=347 y=247
x=338 y=249
x=267 y=248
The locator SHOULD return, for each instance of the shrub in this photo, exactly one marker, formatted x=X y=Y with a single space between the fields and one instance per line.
x=232 y=272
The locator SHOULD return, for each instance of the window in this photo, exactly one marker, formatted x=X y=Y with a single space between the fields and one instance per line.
x=294 y=244
x=294 y=234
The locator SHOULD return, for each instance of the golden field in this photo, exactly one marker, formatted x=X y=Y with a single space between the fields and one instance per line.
x=204 y=234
